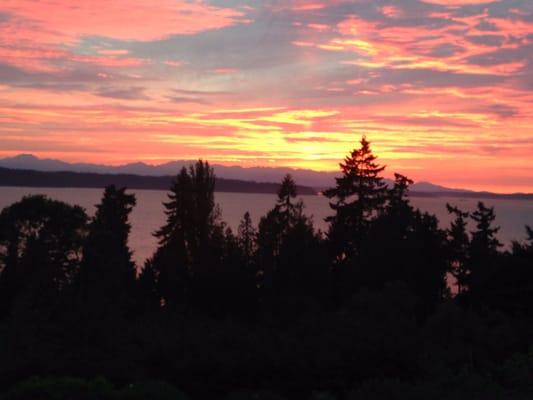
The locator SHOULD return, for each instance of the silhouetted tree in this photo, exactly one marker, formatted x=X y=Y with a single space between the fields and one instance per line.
x=483 y=250
x=383 y=252
x=172 y=259
x=148 y=299
x=247 y=235
x=383 y=327
x=107 y=276
x=404 y=245
x=191 y=242
x=40 y=251
x=527 y=246
x=427 y=262
x=398 y=211
x=458 y=245
x=484 y=241
x=301 y=274
x=235 y=288
x=359 y=195
x=278 y=221
x=292 y=266
x=515 y=277
x=287 y=209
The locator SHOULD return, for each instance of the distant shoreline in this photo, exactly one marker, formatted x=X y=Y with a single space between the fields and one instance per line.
x=90 y=180
x=475 y=195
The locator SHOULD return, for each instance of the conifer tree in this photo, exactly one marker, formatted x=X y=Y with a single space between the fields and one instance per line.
x=287 y=210
x=190 y=243
x=287 y=248
x=108 y=273
x=458 y=245
x=359 y=195
x=246 y=237
x=425 y=261
x=484 y=241
x=398 y=209
x=149 y=300
x=483 y=248
x=279 y=220
x=528 y=247
x=384 y=243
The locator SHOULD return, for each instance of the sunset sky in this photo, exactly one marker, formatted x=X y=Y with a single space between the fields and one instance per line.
x=442 y=88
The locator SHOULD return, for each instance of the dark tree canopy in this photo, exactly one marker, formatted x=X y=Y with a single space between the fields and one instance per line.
x=278 y=312
x=40 y=249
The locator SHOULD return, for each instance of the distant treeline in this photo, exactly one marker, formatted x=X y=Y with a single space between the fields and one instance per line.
x=473 y=195
x=383 y=305
x=67 y=179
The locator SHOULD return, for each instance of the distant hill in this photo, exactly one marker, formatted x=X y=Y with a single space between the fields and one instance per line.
x=427 y=187
x=316 y=179
x=31 y=178
x=28 y=170
x=68 y=179
x=258 y=174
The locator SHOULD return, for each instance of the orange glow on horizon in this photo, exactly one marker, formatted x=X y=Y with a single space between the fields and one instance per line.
x=443 y=90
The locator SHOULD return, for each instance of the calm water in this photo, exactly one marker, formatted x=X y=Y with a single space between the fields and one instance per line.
x=148 y=216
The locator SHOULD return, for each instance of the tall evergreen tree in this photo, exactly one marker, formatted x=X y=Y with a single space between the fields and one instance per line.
x=359 y=195
x=458 y=246
x=108 y=274
x=483 y=249
x=484 y=241
x=192 y=215
x=288 y=211
x=398 y=210
x=247 y=237
x=171 y=261
x=289 y=253
x=278 y=221
x=190 y=243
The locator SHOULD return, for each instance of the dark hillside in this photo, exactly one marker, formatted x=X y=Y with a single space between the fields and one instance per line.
x=30 y=178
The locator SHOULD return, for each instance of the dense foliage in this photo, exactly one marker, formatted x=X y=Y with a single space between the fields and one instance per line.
x=384 y=305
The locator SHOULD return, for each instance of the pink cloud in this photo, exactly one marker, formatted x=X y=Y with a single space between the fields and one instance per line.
x=308 y=7
x=391 y=11
x=113 y=52
x=40 y=36
x=457 y=3
x=60 y=21
x=412 y=47
x=174 y=63
x=225 y=71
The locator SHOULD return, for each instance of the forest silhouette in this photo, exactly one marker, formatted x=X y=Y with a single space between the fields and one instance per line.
x=386 y=304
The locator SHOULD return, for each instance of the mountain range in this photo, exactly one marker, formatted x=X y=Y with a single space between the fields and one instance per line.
x=305 y=177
